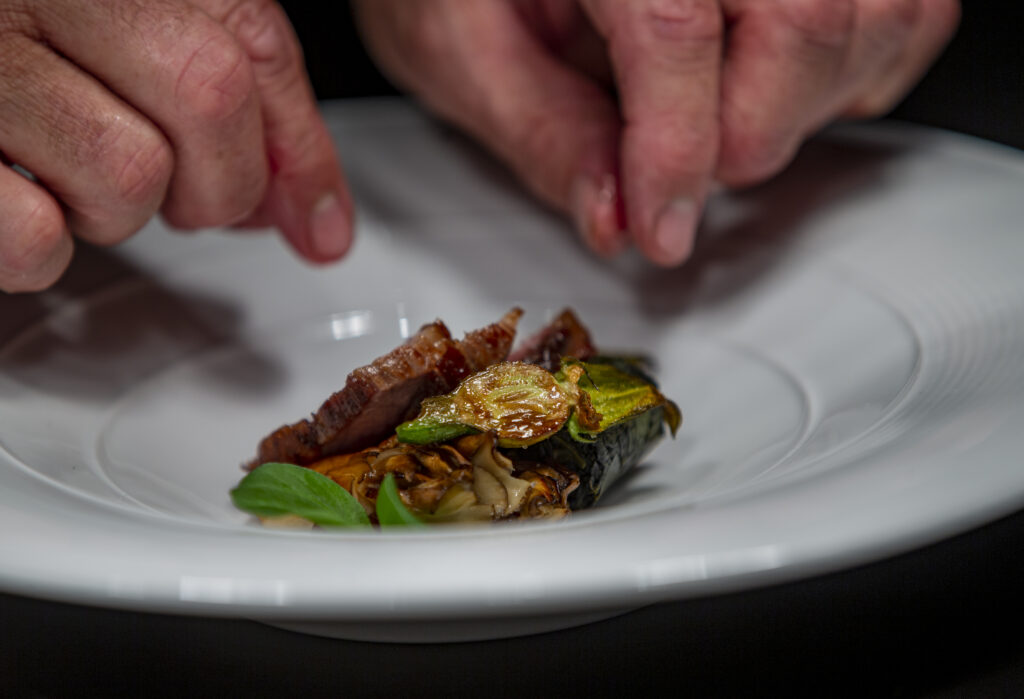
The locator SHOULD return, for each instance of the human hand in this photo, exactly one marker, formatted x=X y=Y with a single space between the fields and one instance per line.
x=707 y=90
x=120 y=108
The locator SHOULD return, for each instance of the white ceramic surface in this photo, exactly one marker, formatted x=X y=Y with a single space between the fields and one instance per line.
x=846 y=348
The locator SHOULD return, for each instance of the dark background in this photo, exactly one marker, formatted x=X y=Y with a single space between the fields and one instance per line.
x=944 y=621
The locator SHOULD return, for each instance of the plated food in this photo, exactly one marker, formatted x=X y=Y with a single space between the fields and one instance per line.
x=442 y=430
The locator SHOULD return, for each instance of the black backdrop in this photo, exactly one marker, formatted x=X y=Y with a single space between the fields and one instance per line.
x=943 y=621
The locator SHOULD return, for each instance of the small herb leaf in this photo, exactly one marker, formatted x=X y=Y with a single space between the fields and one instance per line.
x=276 y=489
x=391 y=511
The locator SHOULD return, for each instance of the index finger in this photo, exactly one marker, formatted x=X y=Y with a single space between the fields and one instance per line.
x=307 y=197
x=667 y=58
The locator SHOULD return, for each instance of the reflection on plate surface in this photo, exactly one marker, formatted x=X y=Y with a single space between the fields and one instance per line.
x=845 y=354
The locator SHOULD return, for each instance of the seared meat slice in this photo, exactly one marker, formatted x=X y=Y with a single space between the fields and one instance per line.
x=565 y=336
x=388 y=391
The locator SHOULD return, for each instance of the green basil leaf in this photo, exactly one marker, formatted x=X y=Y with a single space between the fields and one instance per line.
x=276 y=489
x=391 y=511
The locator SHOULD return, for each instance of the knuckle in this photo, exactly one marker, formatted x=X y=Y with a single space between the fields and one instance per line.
x=194 y=215
x=829 y=23
x=32 y=234
x=303 y=150
x=944 y=13
x=891 y=18
x=752 y=155
x=131 y=161
x=425 y=36
x=125 y=166
x=905 y=13
x=140 y=174
x=216 y=81
x=672 y=34
x=262 y=28
x=682 y=21
x=220 y=203
x=677 y=153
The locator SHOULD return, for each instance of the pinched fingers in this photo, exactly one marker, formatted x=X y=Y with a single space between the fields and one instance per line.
x=482 y=67
x=730 y=89
x=707 y=89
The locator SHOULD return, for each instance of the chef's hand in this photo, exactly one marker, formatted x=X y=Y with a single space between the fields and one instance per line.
x=706 y=90
x=198 y=109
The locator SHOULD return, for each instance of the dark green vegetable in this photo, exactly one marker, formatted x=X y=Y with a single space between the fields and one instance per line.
x=633 y=414
x=391 y=511
x=601 y=459
x=277 y=490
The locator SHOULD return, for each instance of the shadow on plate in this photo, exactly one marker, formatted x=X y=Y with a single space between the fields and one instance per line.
x=744 y=237
x=746 y=234
x=107 y=324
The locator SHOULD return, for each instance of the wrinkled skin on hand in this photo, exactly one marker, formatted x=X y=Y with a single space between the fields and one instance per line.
x=198 y=109
x=704 y=91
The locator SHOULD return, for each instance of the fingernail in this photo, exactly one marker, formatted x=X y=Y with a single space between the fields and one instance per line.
x=593 y=208
x=675 y=230
x=329 y=233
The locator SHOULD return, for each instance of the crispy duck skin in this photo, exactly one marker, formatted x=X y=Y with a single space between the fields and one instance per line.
x=565 y=336
x=388 y=391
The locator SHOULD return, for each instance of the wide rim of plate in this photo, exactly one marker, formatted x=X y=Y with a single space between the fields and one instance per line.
x=893 y=499
x=185 y=567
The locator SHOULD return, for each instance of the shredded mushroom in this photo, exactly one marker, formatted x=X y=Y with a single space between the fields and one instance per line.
x=469 y=480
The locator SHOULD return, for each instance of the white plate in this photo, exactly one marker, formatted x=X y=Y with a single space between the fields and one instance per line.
x=846 y=348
